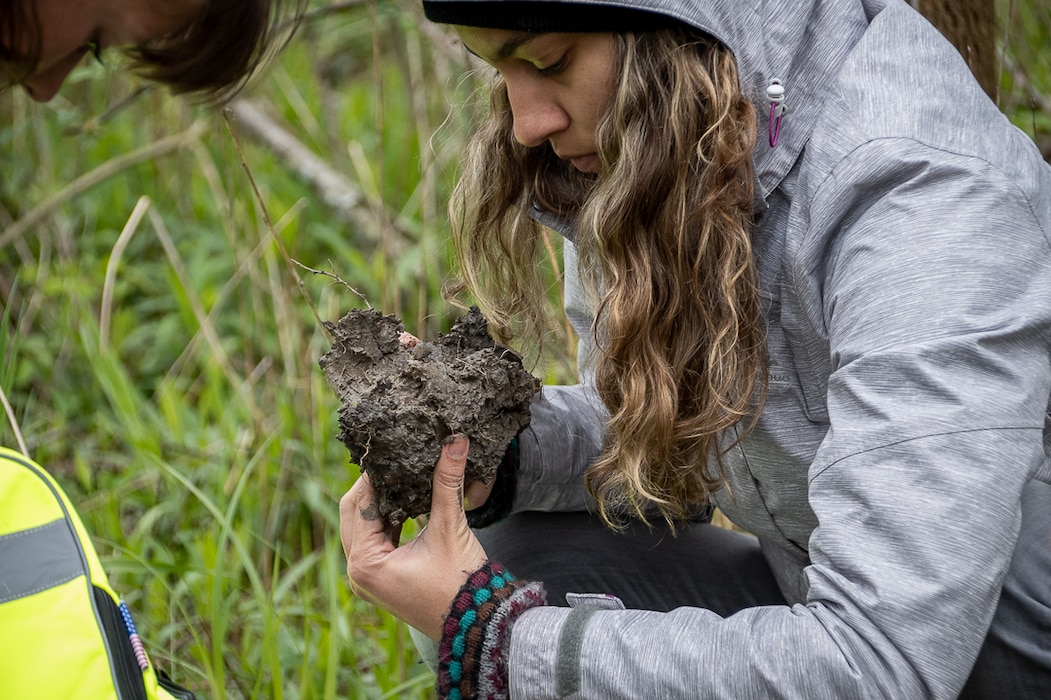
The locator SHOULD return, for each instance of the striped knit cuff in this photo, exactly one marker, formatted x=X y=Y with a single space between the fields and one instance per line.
x=472 y=654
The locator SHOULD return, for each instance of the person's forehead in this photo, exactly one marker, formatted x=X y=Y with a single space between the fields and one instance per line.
x=494 y=44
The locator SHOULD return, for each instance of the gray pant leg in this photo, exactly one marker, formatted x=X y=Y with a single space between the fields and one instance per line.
x=1015 y=662
x=649 y=569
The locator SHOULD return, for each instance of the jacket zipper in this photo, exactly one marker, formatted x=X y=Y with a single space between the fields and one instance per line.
x=129 y=675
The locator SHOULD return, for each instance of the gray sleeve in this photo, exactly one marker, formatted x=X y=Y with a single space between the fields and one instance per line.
x=934 y=300
x=568 y=422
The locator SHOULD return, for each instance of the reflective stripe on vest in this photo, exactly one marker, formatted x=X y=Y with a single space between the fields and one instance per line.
x=37 y=559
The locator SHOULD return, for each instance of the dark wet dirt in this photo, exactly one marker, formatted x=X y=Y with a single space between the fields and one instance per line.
x=399 y=403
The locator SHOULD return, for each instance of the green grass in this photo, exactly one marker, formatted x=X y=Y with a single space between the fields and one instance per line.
x=160 y=350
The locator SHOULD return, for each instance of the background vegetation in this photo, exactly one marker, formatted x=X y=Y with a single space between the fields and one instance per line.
x=160 y=346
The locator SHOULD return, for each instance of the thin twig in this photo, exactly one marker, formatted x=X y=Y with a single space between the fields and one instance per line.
x=1039 y=102
x=14 y=423
x=336 y=278
x=266 y=219
x=332 y=187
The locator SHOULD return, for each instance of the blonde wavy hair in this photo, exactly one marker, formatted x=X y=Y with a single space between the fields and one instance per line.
x=681 y=354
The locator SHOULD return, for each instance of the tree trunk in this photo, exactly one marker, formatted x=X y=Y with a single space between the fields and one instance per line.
x=971 y=27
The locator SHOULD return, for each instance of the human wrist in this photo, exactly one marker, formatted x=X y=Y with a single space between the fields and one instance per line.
x=476 y=635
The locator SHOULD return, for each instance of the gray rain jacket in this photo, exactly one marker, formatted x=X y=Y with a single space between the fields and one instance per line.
x=904 y=259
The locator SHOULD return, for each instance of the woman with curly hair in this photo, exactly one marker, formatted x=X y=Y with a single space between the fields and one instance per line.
x=810 y=266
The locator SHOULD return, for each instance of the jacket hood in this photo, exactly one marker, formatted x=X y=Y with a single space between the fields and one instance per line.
x=800 y=43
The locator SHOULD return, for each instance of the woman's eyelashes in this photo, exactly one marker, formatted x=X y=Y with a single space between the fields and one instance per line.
x=553 y=69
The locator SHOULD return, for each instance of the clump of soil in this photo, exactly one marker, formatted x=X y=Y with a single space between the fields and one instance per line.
x=401 y=401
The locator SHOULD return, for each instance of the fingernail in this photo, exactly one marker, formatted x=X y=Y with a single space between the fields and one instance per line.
x=458 y=447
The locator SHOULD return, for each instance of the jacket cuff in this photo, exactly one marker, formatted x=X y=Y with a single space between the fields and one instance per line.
x=476 y=635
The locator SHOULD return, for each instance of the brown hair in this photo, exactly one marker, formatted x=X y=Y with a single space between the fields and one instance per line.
x=664 y=241
x=214 y=54
x=19 y=25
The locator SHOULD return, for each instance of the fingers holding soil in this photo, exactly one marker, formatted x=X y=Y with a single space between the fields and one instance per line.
x=448 y=484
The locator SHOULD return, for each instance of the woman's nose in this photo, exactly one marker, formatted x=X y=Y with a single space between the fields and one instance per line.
x=537 y=116
x=44 y=85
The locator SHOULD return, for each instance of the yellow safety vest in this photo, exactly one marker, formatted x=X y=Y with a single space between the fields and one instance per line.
x=64 y=633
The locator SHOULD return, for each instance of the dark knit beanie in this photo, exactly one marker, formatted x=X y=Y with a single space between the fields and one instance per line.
x=540 y=16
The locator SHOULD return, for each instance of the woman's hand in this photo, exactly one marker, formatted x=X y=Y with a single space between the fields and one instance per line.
x=417 y=581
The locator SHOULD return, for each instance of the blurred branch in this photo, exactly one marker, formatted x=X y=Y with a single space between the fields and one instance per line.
x=334 y=189
x=443 y=39
x=88 y=180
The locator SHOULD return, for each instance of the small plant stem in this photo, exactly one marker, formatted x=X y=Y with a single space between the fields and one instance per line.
x=14 y=423
x=132 y=225
x=335 y=277
x=266 y=219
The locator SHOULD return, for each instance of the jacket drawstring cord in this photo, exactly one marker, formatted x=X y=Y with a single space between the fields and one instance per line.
x=775 y=92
